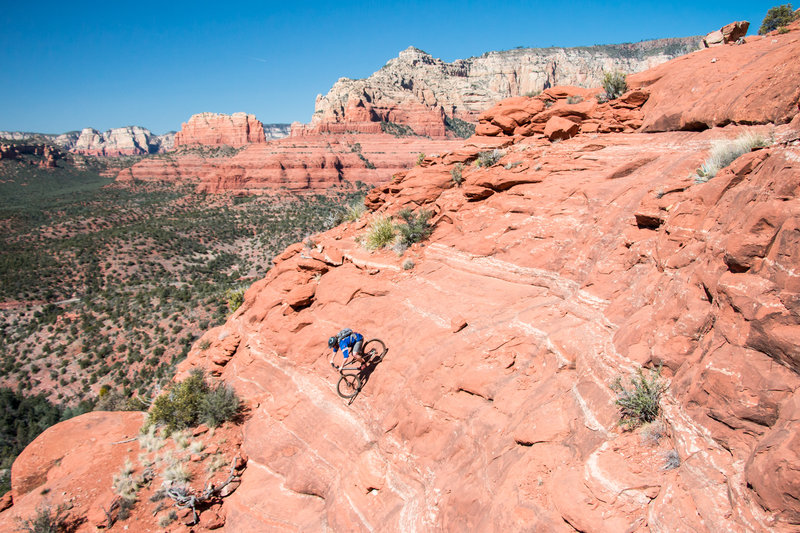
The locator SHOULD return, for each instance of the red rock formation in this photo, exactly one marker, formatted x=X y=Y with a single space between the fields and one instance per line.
x=306 y=163
x=716 y=86
x=728 y=34
x=213 y=129
x=548 y=274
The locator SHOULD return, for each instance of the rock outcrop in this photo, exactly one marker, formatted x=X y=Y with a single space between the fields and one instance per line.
x=131 y=140
x=419 y=91
x=728 y=34
x=65 y=141
x=715 y=87
x=216 y=129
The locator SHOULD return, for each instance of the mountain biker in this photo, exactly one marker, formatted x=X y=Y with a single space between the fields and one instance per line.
x=350 y=342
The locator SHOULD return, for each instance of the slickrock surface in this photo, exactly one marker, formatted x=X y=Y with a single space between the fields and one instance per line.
x=305 y=163
x=70 y=463
x=418 y=90
x=719 y=86
x=216 y=129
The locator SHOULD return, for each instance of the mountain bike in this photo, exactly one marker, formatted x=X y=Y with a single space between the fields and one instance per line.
x=353 y=374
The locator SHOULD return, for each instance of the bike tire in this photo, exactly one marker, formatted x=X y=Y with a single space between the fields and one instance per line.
x=379 y=350
x=349 y=385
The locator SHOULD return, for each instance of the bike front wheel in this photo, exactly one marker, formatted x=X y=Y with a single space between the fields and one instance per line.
x=349 y=385
x=374 y=350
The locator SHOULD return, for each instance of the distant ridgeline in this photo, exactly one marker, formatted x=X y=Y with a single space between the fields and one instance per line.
x=434 y=98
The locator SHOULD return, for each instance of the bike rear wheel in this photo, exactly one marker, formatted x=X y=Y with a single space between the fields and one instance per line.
x=374 y=350
x=349 y=385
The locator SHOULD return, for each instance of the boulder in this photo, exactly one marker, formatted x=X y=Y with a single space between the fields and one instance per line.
x=558 y=128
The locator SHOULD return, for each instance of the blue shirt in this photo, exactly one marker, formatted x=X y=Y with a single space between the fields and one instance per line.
x=347 y=343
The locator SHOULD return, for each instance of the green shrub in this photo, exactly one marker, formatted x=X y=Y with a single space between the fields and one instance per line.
x=574 y=99
x=725 y=152
x=614 y=84
x=179 y=406
x=415 y=227
x=460 y=128
x=488 y=159
x=639 y=404
x=380 y=233
x=456 y=176
x=398 y=130
x=219 y=405
x=235 y=298
x=46 y=520
x=777 y=17
x=420 y=158
x=408 y=264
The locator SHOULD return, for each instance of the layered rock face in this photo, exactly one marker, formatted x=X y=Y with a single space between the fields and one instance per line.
x=131 y=140
x=307 y=163
x=418 y=90
x=215 y=129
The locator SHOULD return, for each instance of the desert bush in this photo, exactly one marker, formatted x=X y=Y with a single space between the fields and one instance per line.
x=381 y=232
x=777 y=17
x=354 y=210
x=420 y=158
x=113 y=400
x=614 y=84
x=218 y=405
x=408 y=264
x=196 y=446
x=123 y=484
x=179 y=406
x=415 y=228
x=166 y=519
x=574 y=99
x=725 y=152
x=177 y=473
x=235 y=298
x=46 y=520
x=488 y=159
x=181 y=439
x=216 y=462
x=639 y=403
x=150 y=440
x=456 y=174
x=671 y=460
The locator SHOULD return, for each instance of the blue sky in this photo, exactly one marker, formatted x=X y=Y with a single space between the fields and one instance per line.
x=68 y=65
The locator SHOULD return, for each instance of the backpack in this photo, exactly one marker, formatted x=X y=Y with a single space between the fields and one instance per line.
x=346 y=332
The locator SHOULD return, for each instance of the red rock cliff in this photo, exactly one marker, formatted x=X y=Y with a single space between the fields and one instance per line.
x=213 y=129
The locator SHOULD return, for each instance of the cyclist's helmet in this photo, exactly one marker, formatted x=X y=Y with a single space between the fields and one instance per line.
x=332 y=342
